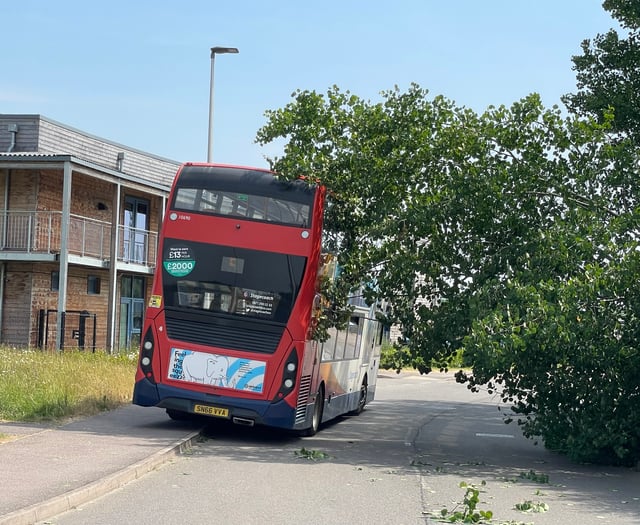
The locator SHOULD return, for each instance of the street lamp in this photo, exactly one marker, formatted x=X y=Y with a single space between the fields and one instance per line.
x=214 y=51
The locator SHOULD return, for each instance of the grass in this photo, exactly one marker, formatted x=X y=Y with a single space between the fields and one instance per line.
x=37 y=385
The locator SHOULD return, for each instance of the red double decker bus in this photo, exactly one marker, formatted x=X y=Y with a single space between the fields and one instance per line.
x=228 y=327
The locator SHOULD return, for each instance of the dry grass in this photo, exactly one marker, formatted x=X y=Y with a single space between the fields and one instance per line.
x=36 y=385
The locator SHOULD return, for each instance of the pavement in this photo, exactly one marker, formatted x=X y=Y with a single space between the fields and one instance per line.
x=47 y=469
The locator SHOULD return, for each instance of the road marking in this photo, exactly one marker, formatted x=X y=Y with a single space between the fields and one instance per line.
x=485 y=435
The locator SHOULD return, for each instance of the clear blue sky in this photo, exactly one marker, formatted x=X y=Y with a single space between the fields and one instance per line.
x=137 y=71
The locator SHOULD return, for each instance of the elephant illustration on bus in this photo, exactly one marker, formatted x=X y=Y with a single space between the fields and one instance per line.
x=209 y=369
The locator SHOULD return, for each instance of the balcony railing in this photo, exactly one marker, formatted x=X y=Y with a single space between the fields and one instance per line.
x=89 y=237
x=40 y=232
x=31 y=232
x=137 y=246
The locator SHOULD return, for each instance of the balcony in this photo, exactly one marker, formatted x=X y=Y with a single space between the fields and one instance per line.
x=36 y=236
x=137 y=246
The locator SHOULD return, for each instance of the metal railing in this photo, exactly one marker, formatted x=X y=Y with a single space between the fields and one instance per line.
x=40 y=232
x=31 y=232
x=89 y=237
x=137 y=246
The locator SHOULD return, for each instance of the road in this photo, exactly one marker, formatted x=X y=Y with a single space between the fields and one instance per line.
x=400 y=462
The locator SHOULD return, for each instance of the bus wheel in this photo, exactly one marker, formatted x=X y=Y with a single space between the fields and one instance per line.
x=362 y=400
x=316 y=419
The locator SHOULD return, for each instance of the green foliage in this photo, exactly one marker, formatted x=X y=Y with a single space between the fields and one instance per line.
x=533 y=476
x=531 y=506
x=393 y=357
x=396 y=357
x=313 y=455
x=37 y=385
x=467 y=511
x=567 y=358
x=334 y=311
x=608 y=74
x=510 y=236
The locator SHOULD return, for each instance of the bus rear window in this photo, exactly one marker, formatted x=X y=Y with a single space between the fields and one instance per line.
x=219 y=298
x=257 y=207
x=230 y=281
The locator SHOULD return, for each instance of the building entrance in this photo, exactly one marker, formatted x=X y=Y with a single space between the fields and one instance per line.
x=131 y=311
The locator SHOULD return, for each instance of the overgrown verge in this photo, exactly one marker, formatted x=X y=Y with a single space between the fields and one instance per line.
x=36 y=385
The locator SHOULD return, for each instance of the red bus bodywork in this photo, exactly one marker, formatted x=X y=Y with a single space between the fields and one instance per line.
x=237 y=378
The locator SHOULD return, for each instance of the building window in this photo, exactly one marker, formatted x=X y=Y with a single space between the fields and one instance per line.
x=132 y=287
x=93 y=285
x=55 y=281
x=135 y=235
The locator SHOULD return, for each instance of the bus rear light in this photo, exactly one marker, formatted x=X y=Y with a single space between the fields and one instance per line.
x=288 y=376
x=146 y=356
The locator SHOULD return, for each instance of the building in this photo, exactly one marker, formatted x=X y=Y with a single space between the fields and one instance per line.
x=79 y=226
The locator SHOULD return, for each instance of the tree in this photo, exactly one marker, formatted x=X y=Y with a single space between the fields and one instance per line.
x=511 y=235
x=608 y=72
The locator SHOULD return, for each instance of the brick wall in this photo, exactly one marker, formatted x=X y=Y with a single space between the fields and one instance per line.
x=23 y=188
x=16 y=311
x=28 y=290
x=49 y=197
x=78 y=299
x=41 y=297
x=28 y=284
x=87 y=193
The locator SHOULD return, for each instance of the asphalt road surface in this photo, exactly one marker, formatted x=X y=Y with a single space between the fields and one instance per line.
x=400 y=462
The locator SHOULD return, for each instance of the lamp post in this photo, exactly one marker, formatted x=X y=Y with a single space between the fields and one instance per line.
x=214 y=51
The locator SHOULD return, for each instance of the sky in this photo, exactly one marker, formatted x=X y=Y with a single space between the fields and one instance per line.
x=137 y=72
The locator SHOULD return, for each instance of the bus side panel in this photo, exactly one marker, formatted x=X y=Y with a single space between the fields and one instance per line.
x=344 y=378
x=342 y=382
x=372 y=375
x=372 y=347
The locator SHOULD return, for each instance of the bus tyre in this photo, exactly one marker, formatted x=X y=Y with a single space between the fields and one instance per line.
x=362 y=400
x=316 y=418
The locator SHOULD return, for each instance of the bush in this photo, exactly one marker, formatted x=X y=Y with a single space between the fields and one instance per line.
x=393 y=358
x=568 y=362
x=398 y=357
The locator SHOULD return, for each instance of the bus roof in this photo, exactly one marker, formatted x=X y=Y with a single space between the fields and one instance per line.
x=242 y=179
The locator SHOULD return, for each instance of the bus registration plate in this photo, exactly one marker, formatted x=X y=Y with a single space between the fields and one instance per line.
x=211 y=411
